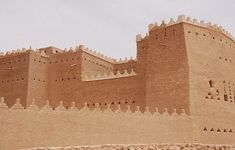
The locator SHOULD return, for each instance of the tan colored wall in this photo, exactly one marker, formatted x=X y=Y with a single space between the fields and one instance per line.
x=64 y=77
x=212 y=59
x=92 y=65
x=120 y=90
x=211 y=56
x=167 y=80
x=25 y=128
x=131 y=64
x=38 y=81
x=14 y=77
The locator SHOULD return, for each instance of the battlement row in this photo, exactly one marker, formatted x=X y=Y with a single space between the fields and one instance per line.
x=183 y=18
x=102 y=56
x=85 y=108
x=71 y=49
x=111 y=75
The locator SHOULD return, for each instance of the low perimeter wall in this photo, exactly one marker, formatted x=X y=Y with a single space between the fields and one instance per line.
x=26 y=128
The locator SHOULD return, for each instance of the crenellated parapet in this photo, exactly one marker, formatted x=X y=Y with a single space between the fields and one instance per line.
x=97 y=109
x=22 y=51
x=104 y=57
x=69 y=50
x=183 y=18
x=111 y=75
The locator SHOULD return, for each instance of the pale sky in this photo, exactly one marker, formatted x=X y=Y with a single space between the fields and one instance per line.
x=108 y=26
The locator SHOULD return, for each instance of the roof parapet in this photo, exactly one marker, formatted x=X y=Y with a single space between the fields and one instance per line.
x=105 y=76
x=183 y=18
x=102 y=56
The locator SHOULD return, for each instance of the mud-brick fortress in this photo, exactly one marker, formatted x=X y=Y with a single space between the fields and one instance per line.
x=179 y=89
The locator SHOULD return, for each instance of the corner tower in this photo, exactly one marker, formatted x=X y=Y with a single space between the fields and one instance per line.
x=165 y=65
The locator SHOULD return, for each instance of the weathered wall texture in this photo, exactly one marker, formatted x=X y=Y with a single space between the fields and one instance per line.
x=167 y=68
x=33 y=128
x=14 y=77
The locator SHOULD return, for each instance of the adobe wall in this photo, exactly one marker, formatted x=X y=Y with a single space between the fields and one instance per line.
x=65 y=77
x=211 y=61
x=14 y=70
x=38 y=80
x=129 y=65
x=32 y=128
x=122 y=91
x=92 y=65
x=167 y=79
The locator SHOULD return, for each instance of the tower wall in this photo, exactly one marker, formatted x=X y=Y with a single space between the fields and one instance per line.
x=167 y=80
x=38 y=79
x=14 y=73
x=211 y=61
x=65 y=77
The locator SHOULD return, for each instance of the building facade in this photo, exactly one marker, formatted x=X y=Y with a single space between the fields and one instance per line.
x=181 y=65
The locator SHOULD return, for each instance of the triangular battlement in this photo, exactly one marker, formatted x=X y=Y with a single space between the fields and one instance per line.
x=184 y=19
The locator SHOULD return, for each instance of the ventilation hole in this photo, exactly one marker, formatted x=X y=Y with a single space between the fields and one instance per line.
x=225 y=130
x=212 y=129
x=211 y=83
x=218 y=130
x=205 y=129
x=156 y=36
x=230 y=130
x=119 y=102
x=225 y=97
